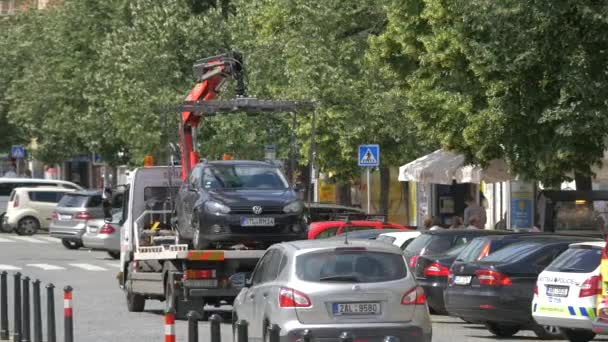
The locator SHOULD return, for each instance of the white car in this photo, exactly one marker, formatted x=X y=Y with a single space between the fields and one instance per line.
x=399 y=239
x=566 y=291
x=30 y=209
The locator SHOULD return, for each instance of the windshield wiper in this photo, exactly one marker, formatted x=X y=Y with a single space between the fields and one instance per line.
x=341 y=277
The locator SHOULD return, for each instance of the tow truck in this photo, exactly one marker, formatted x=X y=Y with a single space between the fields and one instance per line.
x=155 y=264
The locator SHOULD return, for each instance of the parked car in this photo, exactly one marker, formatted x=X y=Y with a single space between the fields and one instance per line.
x=498 y=289
x=432 y=242
x=566 y=291
x=30 y=209
x=367 y=234
x=328 y=287
x=71 y=216
x=104 y=236
x=7 y=185
x=233 y=202
x=322 y=230
x=399 y=239
x=317 y=212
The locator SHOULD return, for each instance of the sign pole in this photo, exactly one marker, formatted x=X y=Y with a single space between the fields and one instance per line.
x=369 y=192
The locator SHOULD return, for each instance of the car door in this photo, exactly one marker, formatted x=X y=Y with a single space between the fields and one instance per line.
x=192 y=193
x=264 y=292
x=245 y=308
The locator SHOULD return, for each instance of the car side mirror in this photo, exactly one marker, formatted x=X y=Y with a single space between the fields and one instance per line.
x=248 y=282
x=107 y=211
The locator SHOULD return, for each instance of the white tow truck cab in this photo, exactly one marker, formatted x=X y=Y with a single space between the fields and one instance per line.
x=155 y=265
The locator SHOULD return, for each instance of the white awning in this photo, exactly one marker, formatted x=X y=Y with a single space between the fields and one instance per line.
x=443 y=167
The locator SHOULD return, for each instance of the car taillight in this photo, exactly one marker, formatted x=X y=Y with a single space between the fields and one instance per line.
x=16 y=201
x=54 y=216
x=484 y=253
x=200 y=274
x=413 y=261
x=414 y=296
x=290 y=298
x=107 y=229
x=591 y=287
x=82 y=215
x=536 y=290
x=492 y=278
x=437 y=270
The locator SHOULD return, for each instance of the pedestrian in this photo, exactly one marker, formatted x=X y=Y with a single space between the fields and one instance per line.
x=427 y=223
x=436 y=223
x=474 y=209
x=456 y=222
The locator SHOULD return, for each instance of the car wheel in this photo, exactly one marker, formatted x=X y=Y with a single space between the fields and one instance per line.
x=578 y=335
x=197 y=240
x=135 y=302
x=502 y=330
x=71 y=244
x=28 y=226
x=547 y=332
x=114 y=255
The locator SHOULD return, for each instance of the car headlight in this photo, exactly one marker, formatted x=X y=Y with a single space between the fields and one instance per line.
x=293 y=207
x=216 y=208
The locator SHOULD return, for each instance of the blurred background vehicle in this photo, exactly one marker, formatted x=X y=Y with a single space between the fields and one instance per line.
x=104 y=234
x=399 y=238
x=71 y=216
x=316 y=212
x=326 y=229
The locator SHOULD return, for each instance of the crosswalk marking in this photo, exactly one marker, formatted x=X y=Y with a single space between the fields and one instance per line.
x=28 y=239
x=9 y=268
x=49 y=238
x=115 y=265
x=89 y=267
x=6 y=240
x=46 y=267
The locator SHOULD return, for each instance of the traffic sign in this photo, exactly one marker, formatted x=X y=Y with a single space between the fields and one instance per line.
x=18 y=152
x=369 y=155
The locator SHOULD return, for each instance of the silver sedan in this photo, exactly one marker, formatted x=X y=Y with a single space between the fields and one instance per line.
x=330 y=287
x=105 y=236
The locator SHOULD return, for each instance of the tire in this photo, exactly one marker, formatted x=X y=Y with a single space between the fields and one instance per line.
x=502 y=330
x=135 y=302
x=71 y=244
x=114 y=255
x=547 y=332
x=27 y=226
x=197 y=238
x=578 y=335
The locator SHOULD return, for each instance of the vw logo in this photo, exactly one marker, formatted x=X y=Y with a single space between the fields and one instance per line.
x=257 y=209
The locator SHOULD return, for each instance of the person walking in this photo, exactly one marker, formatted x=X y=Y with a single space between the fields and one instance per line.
x=474 y=209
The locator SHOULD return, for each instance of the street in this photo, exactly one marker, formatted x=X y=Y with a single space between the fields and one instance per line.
x=99 y=307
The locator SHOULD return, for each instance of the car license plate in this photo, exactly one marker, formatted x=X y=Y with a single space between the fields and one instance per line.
x=462 y=280
x=64 y=217
x=93 y=230
x=344 y=309
x=257 y=221
x=557 y=291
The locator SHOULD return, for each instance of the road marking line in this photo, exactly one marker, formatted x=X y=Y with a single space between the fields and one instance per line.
x=28 y=239
x=47 y=267
x=89 y=267
x=6 y=240
x=49 y=238
x=9 y=268
x=114 y=265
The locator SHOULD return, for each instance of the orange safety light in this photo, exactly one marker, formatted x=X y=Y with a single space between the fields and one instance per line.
x=148 y=161
x=226 y=156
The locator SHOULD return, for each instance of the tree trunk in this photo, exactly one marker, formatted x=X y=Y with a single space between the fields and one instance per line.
x=583 y=183
x=384 y=189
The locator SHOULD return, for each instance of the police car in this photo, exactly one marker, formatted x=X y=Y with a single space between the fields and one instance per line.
x=566 y=291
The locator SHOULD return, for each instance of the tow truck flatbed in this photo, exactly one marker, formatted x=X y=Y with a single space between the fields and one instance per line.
x=181 y=252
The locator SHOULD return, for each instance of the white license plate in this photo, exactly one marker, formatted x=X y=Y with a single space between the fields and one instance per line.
x=92 y=230
x=462 y=280
x=343 y=309
x=257 y=221
x=65 y=217
x=557 y=291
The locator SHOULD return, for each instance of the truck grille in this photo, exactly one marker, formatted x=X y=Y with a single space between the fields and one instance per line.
x=242 y=209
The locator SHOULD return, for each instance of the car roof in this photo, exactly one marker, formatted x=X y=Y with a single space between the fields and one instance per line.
x=462 y=231
x=35 y=180
x=589 y=243
x=310 y=245
x=239 y=162
x=43 y=188
x=400 y=233
x=87 y=192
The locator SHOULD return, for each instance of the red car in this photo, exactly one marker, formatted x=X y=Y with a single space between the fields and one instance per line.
x=326 y=229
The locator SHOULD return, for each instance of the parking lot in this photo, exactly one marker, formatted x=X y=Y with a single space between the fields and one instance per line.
x=100 y=313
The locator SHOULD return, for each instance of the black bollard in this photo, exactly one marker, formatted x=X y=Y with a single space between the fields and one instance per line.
x=37 y=312
x=307 y=336
x=193 y=318
x=346 y=337
x=4 y=306
x=25 y=311
x=273 y=333
x=17 y=312
x=50 y=313
x=215 y=320
x=242 y=335
x=68 y=314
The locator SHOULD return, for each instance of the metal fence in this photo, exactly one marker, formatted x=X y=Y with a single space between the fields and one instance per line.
x=27 y=314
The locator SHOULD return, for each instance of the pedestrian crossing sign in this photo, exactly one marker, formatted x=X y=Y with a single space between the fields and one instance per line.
x=369 y=155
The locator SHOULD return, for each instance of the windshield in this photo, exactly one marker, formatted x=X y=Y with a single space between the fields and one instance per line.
x=513 y=253
x=73 y=201
x=579 y=259
x=243 y=177
x=418 y=244
x=354 y=266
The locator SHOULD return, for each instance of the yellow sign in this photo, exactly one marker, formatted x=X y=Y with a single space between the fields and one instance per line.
x=327 y=192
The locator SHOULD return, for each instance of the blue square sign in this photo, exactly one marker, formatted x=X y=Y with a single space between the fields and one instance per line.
x=369 y=155
x=18 y=152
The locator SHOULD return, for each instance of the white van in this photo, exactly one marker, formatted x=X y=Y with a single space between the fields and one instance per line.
x=8 y=184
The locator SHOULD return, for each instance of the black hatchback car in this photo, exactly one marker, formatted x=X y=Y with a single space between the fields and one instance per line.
x=225 y=203
x=498 y=289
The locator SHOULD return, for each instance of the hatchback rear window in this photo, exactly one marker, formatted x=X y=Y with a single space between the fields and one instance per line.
x=579 y=259
x=354 y=266
x=473 y=250
x=515 y=252
x=418 y=244
x=78 y=201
